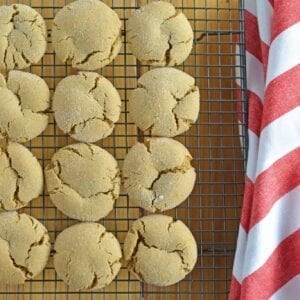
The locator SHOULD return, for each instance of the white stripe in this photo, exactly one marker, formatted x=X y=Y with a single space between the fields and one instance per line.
x=290 y=291
x=278 y=139
x=239 y=255
x=252 y=155
x=238 y=66
x=241 y=132
x=284 y=52
x=264 y=19
x=282 y=220
x=250 y=5
x=255 y=75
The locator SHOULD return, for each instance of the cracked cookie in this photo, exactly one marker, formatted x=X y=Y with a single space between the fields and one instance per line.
x=159 y=35
x=87 y=33
x=87 y=256
x=21 y=177
x=86 y=106
x=158 y=174
x=24 y=98
x=166 y=102
x=23 y=37
x=24 y=247
x=83 y=181
x=159 y=250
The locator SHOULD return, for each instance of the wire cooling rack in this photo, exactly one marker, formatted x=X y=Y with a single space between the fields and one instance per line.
x=212 y=211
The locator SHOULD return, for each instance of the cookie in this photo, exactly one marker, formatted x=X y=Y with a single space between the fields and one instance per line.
x=86 y=106
x=87 y=33
x=21 y=177
x=159 y=35
x=159 y=250
x=83 y=181
x=23 y=37
x=158 y=174
x=24 y=98
x=87 y=256
x=24 y=247
x=166 y=102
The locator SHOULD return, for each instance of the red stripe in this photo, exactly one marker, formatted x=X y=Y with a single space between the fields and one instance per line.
x=247 y=204
x=282 y=95
x=286 y=14
x=273 y=183
x=255 y=109
x=235 y=289
x=265 y=55
x=271 y=2
x=282 y=266
x=252 y=36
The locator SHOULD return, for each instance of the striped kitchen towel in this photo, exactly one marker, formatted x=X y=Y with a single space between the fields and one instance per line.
x=267 y=260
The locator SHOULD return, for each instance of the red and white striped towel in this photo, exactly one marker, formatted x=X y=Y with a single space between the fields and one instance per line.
x=267 y=260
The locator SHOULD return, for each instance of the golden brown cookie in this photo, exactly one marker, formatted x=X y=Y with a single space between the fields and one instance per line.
x=166 y=102
x=23 y=37
x=159 y=35
x=21 y=177
x=86 y=106
x=24 y=247
x=87 y=256
x=159 y=250
x=23 y=101
x=158 y=174
x=83 y=181
x=87 y=32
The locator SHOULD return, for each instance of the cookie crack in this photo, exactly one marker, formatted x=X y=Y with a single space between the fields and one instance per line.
x=16 y=199
x=15 y=13
x=191 y=90
x=133 y=258
x=90 y=148
x=19 y=98
x=94 y=282
x=63 y=183
x=185 y=265
x=88 y=56
x=23 y=269
x=73 y=129
x=110 y=191
x=111 y=265
x=171 y=17
x=39 y=243
x=12 y=20
x=141 y=240
x=110 y=55
x=112 y=48
x=183 y=168
x=168 y=57
x=96 y=81
x=72 y=150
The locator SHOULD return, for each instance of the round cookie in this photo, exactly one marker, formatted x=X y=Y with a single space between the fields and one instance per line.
x=158 y=175
x=23 y=37
x=83 y=181
x=159 y=250
x=21 y=177
x=88 y=33
x=87 y=256
x=24 y=98
x=24 y=247
x=159 y=35
x=166 y=102
x=86 y=106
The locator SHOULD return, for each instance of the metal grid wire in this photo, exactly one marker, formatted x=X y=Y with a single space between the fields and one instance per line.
x=212 y=211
